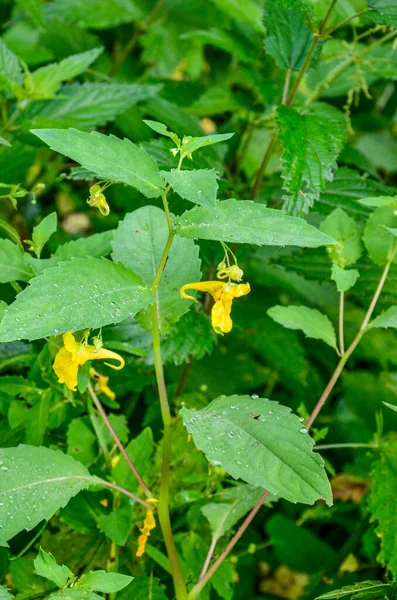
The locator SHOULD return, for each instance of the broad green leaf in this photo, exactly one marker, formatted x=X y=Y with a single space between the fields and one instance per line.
x=78 y=294
x=191 y=144
x=162 y=130
x=12 y=264
x=311 y=143
x=46 y=566
x=107 y=156
x=383 y=12
x=288 y=35
x=347 y=232
x=86 y=106
x=45 y=81
x=388 y=318
x=363 y=589
x=139 y=242
x=378 y=240
x=117 y=525
x=101 y=581
x=311 y=321
x=34 y=483
x=199 y=187
x=246 y=222
x=381 y=502
x=278 y=456
x=94 y=14
x=10 y=70
x=43 y=231
x=345 y=279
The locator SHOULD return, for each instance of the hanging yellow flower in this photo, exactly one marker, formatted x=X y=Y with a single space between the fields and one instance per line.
x=101 y=385
x=74 y=354
x=148 y=524
x=223 y=294
x=97 y=199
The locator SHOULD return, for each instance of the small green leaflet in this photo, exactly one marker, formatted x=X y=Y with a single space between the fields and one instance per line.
x=347 y=232
x=101 y=581
x=199 y=187
x=378 y=238
x=246 y=222
x=34 y=483
x=388 y=318
x=288 y=36
x=46 y=566
x=117 y=525
x=78 y=294
x=345 y=279
x=12 y=264
x=108 y=156
x=163 y=130
x=378 y=201
x=191 y=144
x=261 y=442
x=311 y=321
x=361 y=590
x=43 y=231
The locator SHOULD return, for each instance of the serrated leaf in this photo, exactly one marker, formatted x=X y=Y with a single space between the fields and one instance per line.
x=383 y=12
x=191 y=337
x=362 y=590
x=388 y=318
x=78 y=294
x=86 y=106
x=107 y=156
x=43 y=231
x=347 y=232
x=345 y=279
x=194 y=143
x=377 y=239
x=278 y=456
x=199 y=187
x=12 y=264
x=311 y=321
x=311 y=143
x=10 y=70
x=245 y=222
x=46 y=566
x=101 y=581
x=44 y=82
x=288 y=36
x=139 y=242
x=34 y=483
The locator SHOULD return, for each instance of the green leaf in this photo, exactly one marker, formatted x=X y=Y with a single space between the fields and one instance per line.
x=363 y=590
x=44 y=82
x=117 y=525
x=43 y=231
x=139 y=243
x=95 y=14
x=5 y=594
x=288 y=36
x=144 y=588
x=381 y=502
x=388 y=318
x=46 y=566
x=277 y=456
x=96 y=245
x=379 y=201
x=199 y=187
x=12 y=264
x=378 y=239
x=108 y=157
x=246 y=222
x=311 y=321
x=78 y=294
x=191 y=144
x=10 y=71
x=347 y=232
x=248 y=12
x=191 y=337
x=344 y=279
x=34 y=483
x=82 y=442
x=86 y=106
x=383 y=12
x=162 y=130
x=311 y=143
x=33 y=8
x=101 y=581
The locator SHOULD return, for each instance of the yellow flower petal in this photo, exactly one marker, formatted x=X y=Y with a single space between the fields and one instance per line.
x=148 y=524
x=101 y=385
x=66 y=368
x=212 y=287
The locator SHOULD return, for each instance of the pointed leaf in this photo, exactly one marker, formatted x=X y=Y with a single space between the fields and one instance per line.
x=345 y=279
x=194 y=143
x=388 y=318
x=311 y=321
x=101 y=581
x=199 y=187
x=46 y=566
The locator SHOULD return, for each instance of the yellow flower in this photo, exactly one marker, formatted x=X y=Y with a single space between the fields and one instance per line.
x=223 y=294
x=148 y=524
x=102 y=384
x=234 y=272
x=74 y=354
x=98 y=200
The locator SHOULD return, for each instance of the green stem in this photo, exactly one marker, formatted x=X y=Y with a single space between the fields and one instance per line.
x=341 y=319
x=117 y=488
x=348 y=445
x=347 y=20
x=100 y=437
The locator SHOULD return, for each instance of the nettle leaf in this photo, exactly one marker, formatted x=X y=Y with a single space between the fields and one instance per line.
x=288 y=36
x=381 y=501
x=383 y=12
x=78 y=294
x=378 y=238
x=388 y=318
x=199 y=187
x=311 y=143
x=363 y=590
x=101 y=581
x=10 y=70
x=278 y=456
x=12 y=263
x=191 y=337
x=107 y=156
x=34 y=483
x=246 y=222
x=345 y=279
x=86 y=106
x=311 y=321
x=45 y=81
x=347 y=232
x=139 y=243
x=46 y=566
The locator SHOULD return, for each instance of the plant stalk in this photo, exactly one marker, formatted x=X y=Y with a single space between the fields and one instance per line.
x=341 y=320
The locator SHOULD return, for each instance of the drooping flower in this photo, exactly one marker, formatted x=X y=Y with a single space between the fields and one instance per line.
x=75 y=354
x=97 y=199
x=101 y=385
x=148 y=524
x=223 y=294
